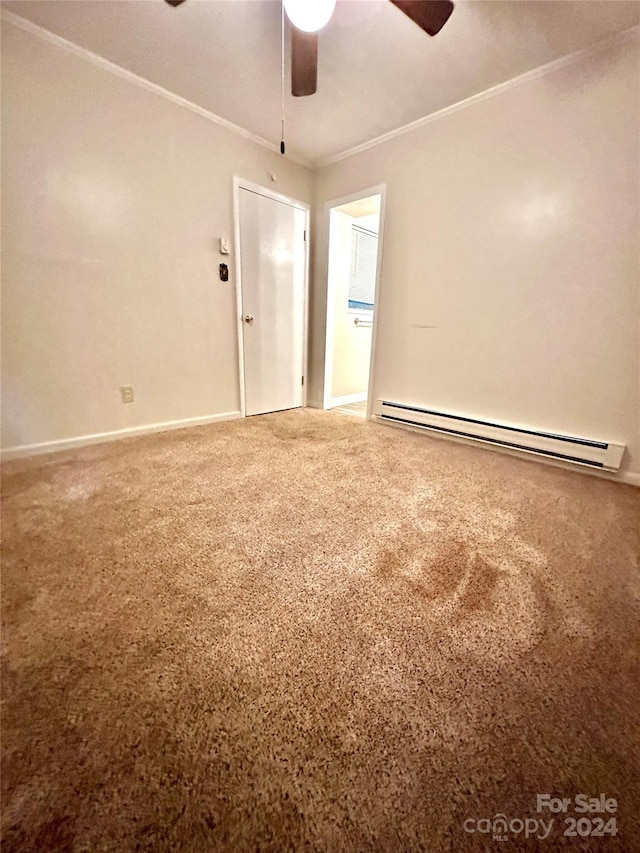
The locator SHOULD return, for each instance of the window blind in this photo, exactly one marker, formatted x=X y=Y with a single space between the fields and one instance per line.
x=364 y=256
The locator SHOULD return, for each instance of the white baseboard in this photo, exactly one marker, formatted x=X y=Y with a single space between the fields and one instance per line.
x=22 y=450
x=626 y=477
x=360 y=397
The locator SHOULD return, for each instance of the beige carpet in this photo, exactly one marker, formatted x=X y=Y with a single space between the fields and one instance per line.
x=307 y=632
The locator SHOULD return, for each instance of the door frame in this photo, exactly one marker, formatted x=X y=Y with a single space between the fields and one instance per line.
x=243 y=184
x=381 y=190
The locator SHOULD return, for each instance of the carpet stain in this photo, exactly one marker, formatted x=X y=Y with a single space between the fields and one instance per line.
x=478 y=593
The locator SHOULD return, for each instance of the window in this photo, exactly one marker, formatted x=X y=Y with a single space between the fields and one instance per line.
x=364 y=256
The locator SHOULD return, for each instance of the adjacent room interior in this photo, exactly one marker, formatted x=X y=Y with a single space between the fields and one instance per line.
x=355 y=243
x=320 y=425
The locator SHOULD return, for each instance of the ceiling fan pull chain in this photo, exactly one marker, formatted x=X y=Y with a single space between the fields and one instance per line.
x=282 y=79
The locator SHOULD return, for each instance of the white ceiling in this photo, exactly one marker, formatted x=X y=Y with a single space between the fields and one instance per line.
x=377 y=70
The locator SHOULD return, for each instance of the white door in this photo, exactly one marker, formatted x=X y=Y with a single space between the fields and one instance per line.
x=272 y=258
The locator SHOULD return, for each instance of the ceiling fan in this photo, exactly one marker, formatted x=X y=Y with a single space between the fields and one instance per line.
x=309 y=16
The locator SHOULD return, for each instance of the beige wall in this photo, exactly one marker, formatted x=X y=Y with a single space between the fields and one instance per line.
x=351 y=343
x=509 y=285
x=113 y=200
x=510 y=275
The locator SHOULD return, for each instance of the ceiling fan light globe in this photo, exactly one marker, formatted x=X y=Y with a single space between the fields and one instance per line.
x=309 y=15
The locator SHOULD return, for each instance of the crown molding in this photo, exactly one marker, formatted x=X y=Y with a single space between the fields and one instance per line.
x=141 y=82
x=535 y=74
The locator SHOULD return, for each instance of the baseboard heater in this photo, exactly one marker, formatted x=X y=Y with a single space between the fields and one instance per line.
x=605 y=455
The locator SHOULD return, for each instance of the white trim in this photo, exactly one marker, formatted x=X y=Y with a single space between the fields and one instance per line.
x=238 y=184
x=381 y=190
x=305 y=320
x=623 y=477
x=238 y=287
x=376 y=299
x=535 y=74
x=347 y=399
x=22 y=450
x=269 y=193
x=142 y=82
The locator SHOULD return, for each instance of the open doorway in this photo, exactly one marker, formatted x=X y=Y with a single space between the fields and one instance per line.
x=354 y=252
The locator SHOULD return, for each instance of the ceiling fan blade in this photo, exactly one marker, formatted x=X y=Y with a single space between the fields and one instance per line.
x=429 y=15
x=175 y=2
x=304 y=63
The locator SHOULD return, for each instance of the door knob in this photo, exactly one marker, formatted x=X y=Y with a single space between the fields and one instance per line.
x=248 y=319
